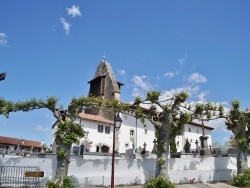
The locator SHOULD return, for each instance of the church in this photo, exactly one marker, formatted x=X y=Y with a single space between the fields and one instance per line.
x=132 y=133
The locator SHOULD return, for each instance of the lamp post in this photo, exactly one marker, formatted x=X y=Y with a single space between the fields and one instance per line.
x=117 y=125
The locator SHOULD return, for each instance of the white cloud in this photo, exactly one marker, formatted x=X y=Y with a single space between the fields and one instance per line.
x=136 y=92
x=74 y=11
x=197 y=78
x=66 y=25
x=169 y=74
x=202 y=95
x=224 y=103
x=217 y=124
x=182 y=60
x=40 y=128
x=3 y=40
x=191 y=91
x=226 y=138
x=121 y=72
x=141 y=82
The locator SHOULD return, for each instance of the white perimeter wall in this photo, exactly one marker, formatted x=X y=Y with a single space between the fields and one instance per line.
x=133 y=171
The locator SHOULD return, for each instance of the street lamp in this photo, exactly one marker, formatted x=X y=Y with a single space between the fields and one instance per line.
x=117 y=126
x=3 y=75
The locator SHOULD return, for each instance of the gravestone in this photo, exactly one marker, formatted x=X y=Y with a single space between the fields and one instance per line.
x=76 y=150
x=154 y=148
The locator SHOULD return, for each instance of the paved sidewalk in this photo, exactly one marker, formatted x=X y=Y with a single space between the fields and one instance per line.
x=194 y=185
x=205 y=185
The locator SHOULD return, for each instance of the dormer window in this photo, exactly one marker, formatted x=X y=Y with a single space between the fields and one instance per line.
x=97 y=86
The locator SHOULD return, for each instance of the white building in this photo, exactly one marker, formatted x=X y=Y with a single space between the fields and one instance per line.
x=132 y=134
x=100 y=134
x=193 y=132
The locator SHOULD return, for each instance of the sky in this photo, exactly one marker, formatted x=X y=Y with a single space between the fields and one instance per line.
x=52 y=48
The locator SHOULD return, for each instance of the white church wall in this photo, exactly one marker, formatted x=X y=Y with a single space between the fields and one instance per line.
x=90 y=172
x=97 y=137
x=140 y=133
x=192 y=133
x=132 y=131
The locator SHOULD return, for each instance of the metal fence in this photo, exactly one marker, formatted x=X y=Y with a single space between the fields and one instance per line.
x=20 y=176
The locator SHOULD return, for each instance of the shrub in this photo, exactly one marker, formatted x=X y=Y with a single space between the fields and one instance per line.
x=173 y=148
x=159 y=182
x=51 y=184
x=67 y=183
x=143 y=151
x=187 y=146
x=242 y=179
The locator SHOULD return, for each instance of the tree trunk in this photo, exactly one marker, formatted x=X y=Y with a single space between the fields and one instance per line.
x=63 y=164
x=162 y=152
x=239 y=167
x=241 y=153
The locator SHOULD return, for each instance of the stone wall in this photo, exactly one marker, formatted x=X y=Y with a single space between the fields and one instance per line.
x=89 y=170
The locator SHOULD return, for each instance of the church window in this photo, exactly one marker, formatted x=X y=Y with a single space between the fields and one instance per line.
x=100 y=128
x=131 y=132
x=189 y=129
x=197 y=131
x=107 y=129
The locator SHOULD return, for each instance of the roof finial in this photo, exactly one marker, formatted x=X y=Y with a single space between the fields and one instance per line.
x=103 y=57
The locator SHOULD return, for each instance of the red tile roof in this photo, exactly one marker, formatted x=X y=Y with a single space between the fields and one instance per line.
x=23 y=142
x=95 y=118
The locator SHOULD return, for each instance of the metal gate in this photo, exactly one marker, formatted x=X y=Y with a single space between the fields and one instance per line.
x=20 y=176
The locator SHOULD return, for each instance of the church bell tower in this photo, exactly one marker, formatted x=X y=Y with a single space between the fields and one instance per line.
x=104 y=85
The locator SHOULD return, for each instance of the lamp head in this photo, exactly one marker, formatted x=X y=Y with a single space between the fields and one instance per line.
x=118 y=121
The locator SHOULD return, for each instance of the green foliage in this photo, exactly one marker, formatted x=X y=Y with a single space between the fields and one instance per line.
x=67 y=183
x=236 y=104
x=161 y=161
x=61 y=152
x=221 y=110
x=173 y=146
x=68 y=132
x=137 y=101
x=159 y=182
x=153 y=96
x=207 y=111
x=242 y=180
x=184 y=118
x=187 y=146
x=7 y=107
x=51 y=184
x=143 y=151
x=237 y=121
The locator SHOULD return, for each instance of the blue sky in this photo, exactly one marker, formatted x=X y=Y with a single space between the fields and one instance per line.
x=52 y=48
